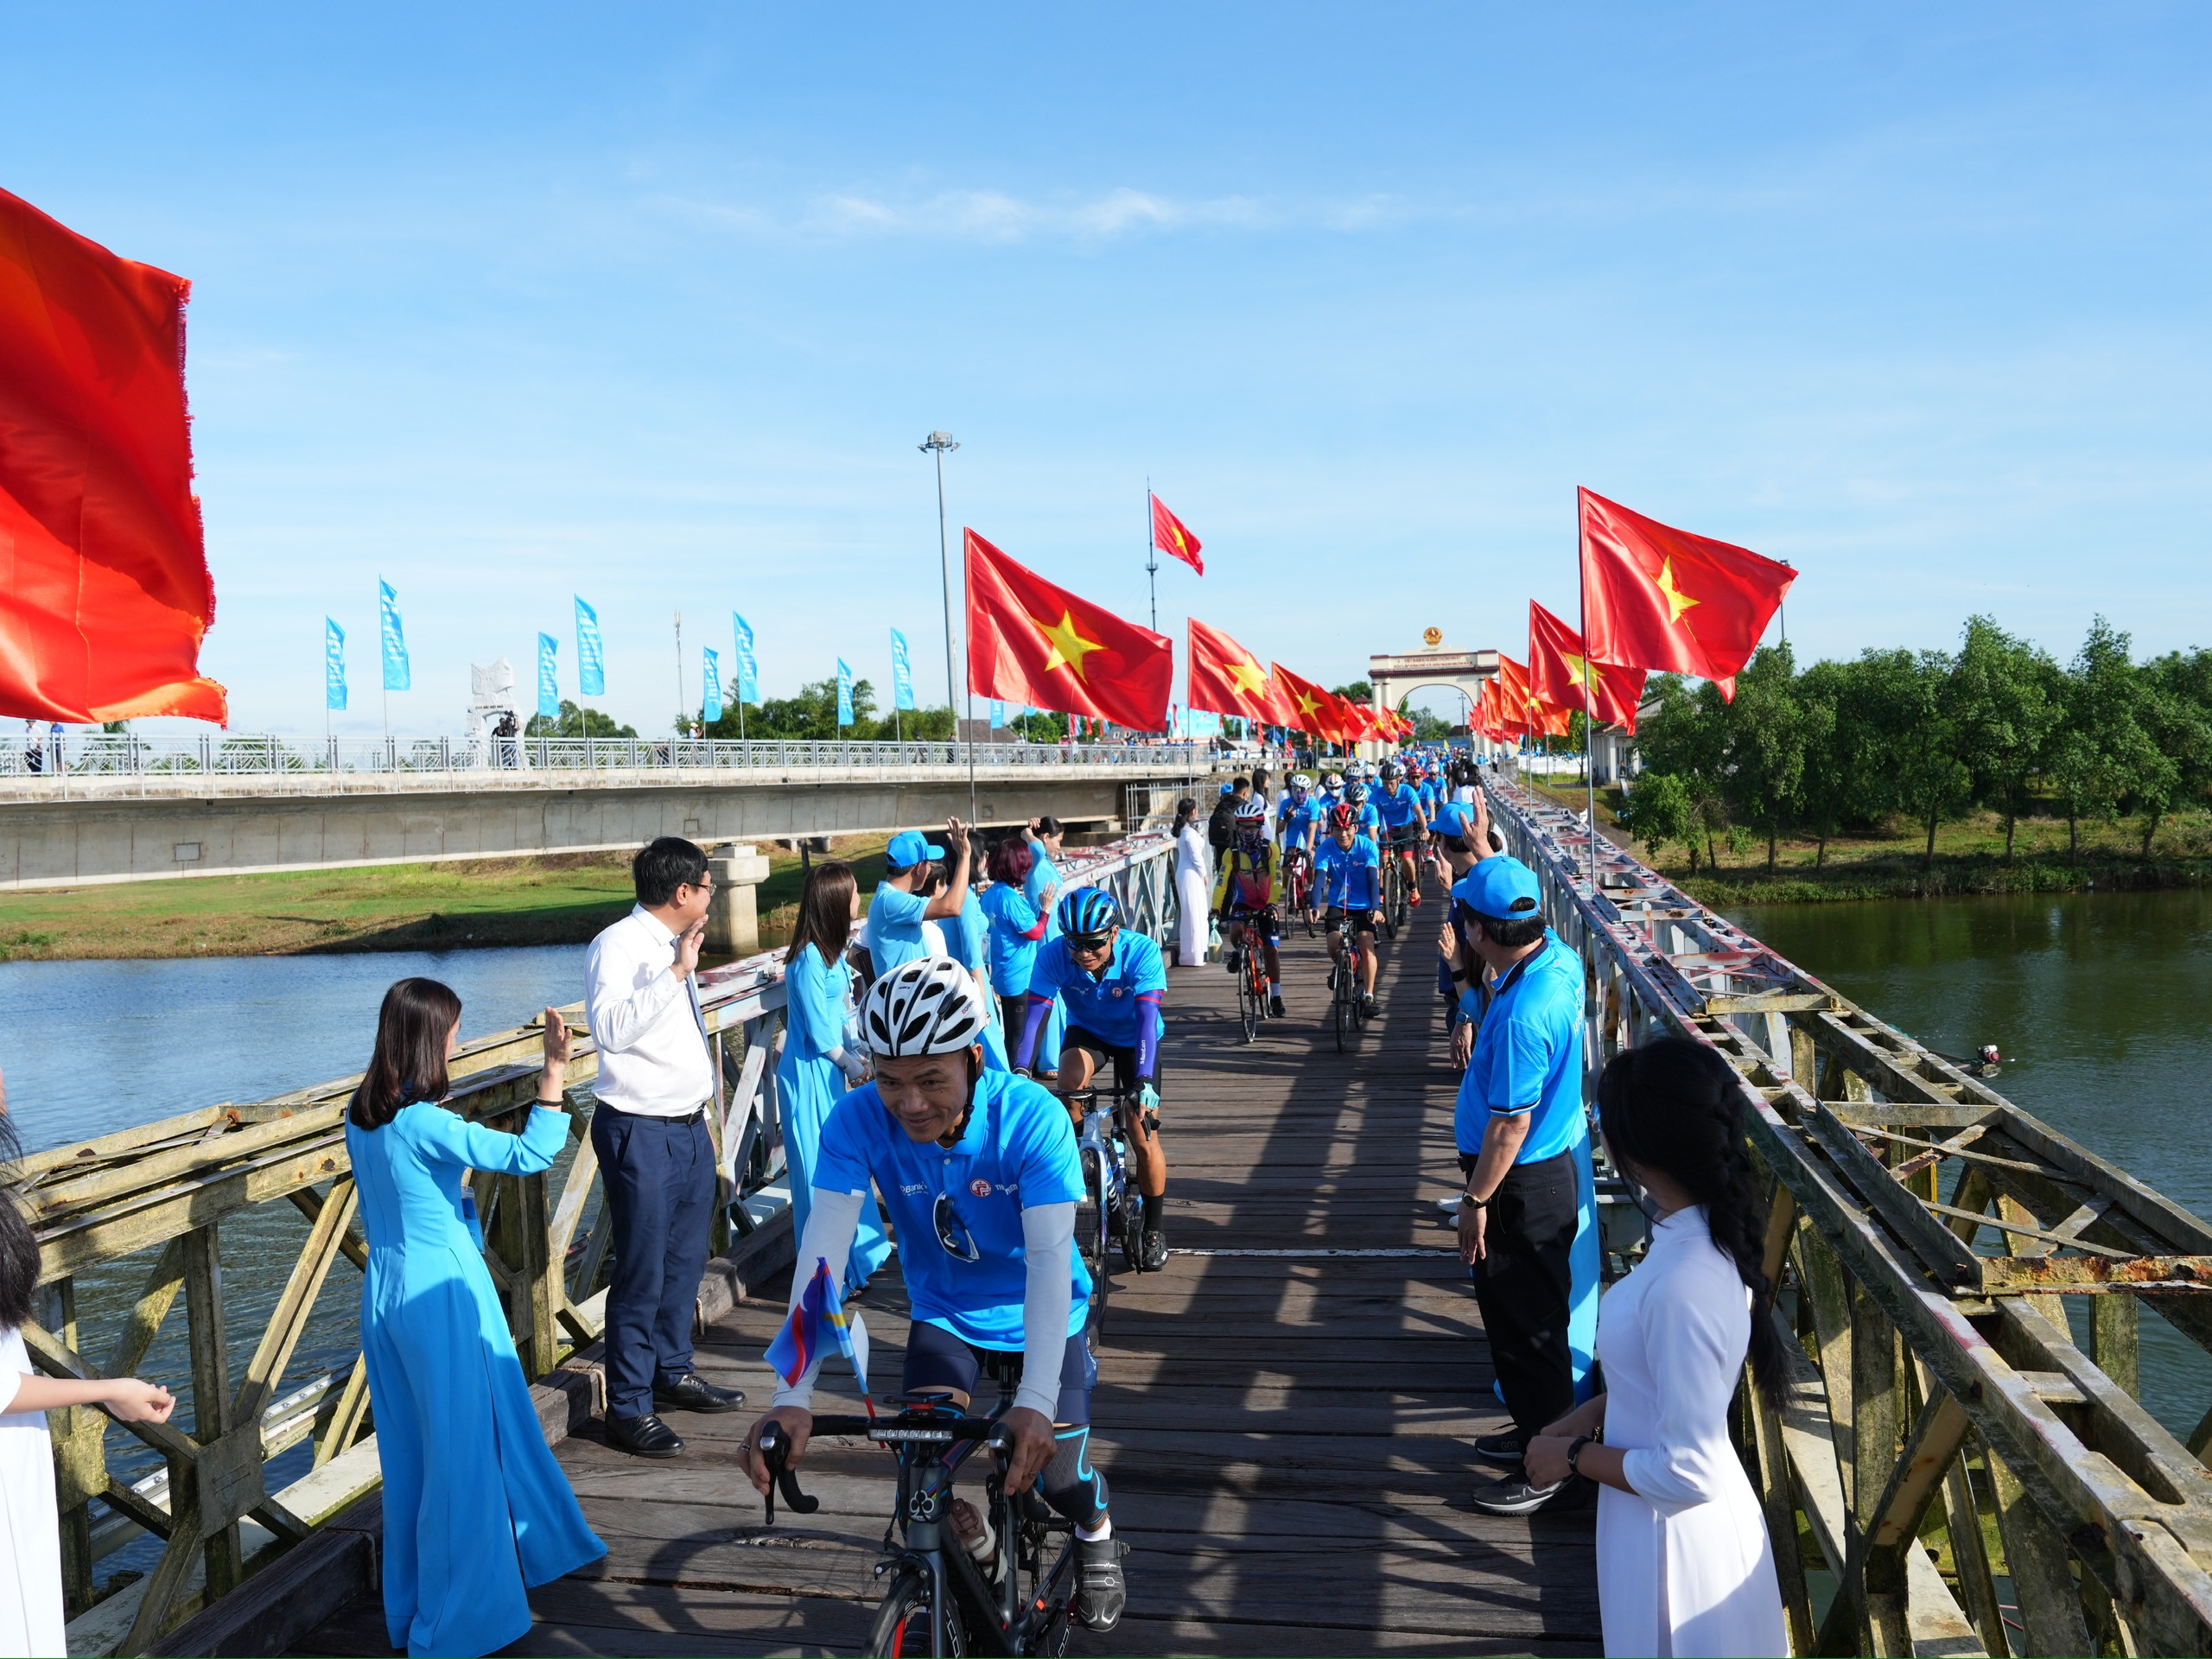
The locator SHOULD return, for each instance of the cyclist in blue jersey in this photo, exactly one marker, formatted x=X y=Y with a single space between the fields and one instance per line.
x=1348 y=882
x=1110 y=981
x=1333 y=789
x=1364 y=817
x=980 y=1173
x=1405 y=822
x=1301 y=821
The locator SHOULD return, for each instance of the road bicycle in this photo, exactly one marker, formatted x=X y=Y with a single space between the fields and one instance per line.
x=942 y=1600
x=1347 y=1013
x=1394 y=881
x=1104 y=1215
x=1258 y=927
x=1298 y=885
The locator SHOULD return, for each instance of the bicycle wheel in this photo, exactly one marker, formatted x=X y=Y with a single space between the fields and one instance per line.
x=902 y=1624
x=1091 y=1225
x=1342 y=1006
x=1248 y=1005
x=1390 y=899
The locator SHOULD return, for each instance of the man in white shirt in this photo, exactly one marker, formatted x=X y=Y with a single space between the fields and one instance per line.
x=656 y=1078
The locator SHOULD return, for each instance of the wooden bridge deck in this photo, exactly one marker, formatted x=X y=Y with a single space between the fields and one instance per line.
x=1286 y=1437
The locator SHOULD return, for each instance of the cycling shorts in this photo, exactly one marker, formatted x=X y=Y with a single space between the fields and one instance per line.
x=1362 y=920
x=937 y=1359
x=1121 y=1057
x=1405 y=838
x=1268 y=920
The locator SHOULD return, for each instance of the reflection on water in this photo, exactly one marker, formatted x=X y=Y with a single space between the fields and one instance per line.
x=89 y=1047
x=2098 y=1003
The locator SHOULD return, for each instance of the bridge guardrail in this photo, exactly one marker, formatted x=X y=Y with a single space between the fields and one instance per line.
x=1935 y=1371
x=225 y=755
x=154 y=1199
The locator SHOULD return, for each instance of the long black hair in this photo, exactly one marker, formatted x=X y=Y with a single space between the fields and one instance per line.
x=19 y=1250
x=825 y=912
x=1676 y=1107
x=413 y=1028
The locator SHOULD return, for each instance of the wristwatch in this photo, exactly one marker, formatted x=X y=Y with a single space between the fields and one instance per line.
x=1575 y=1448
x=1479 y=1204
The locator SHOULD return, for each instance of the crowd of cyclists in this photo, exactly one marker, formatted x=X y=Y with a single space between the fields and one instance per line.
x=951 y=1090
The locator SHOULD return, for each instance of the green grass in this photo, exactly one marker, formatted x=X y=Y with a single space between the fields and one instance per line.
x=563 y=898
x=1886 y=862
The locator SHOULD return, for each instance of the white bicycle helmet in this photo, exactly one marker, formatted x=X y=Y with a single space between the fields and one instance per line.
x=929 y=1006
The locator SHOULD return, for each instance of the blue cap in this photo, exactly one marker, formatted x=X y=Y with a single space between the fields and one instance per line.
x=1501 y=888
x=1453 y=818
x=909 y=847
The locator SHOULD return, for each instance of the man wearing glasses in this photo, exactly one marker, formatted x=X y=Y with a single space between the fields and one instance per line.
x=1111 y=984
x=649 y=1130
x=984 y=1163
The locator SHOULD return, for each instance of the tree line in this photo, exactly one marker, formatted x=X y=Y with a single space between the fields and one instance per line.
x=1928 y=735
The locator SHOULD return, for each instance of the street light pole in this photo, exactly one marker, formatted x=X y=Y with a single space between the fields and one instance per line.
x=939 y=444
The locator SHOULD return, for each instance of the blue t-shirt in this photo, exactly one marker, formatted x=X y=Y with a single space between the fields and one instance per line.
x=1528 y=1057
x=1367 y=820
x=1013 y=955
x=895 y=928
x=1043 y=874
x=1019 y=1152
x=975 y=934
x=1345 y=877
x=1301 y=822
x=1398 y=805
x=1105 y=1006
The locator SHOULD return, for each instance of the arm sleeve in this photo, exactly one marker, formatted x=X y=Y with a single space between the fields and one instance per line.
x=1696 y=1344
x=494 y=1151
x=1017 y=908
x=1048 y=1295
x=619 y=1014
x=1520 y=1069
x=1148 y=1035
x=1025 y=1051
x=831 y=1220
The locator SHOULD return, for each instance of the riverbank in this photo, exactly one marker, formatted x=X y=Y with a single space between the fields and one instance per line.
x=564 y=898
x=1887 y=863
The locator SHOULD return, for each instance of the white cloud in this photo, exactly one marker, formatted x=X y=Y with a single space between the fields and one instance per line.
x=997 y=216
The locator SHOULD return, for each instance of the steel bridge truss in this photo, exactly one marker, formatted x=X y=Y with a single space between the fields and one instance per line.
x=1944 y=1426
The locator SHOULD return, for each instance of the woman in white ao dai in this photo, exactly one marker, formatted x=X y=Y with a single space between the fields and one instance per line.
x=1685 y=1565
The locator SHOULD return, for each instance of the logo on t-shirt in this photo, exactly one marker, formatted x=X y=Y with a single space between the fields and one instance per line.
x=980 y=1187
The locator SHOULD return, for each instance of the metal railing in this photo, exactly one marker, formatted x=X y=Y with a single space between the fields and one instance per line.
x=127 y=1221
x=1925 y=1234
x=125 y=754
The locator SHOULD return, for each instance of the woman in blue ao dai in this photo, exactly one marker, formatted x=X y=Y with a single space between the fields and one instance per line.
x=818 y=1065
x=475 y=1508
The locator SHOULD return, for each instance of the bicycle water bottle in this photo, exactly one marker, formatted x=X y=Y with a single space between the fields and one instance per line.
x=1213 y=939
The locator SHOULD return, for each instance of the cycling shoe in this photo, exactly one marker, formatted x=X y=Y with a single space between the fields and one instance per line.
x=1154 y=1248
x=1101 y=1592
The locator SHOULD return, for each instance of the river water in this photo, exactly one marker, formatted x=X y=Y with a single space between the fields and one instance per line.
x=2098 y=1002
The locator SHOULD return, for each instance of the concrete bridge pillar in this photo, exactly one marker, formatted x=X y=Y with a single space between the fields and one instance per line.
x=734 y=922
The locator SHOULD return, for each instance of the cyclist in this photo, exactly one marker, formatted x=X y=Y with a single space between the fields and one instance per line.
x=1244 y=900
x=984 y=1163
x=1332 y=788
x=1400 y=805
x=1112 y=981
x=1348 y=880
x=1300 y=822
x=1364 y=817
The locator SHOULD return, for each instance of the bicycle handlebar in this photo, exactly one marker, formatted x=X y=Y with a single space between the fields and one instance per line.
x=775 y=1450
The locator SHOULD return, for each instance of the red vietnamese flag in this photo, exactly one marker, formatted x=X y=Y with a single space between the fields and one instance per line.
x=1512 y=685
x=1556 y=669
x=1030 y=642
x=1170 y=535
x=1312 y=708
x=104 y=594
x=1360 y=720
x=1656 y=597
x=1228 y=680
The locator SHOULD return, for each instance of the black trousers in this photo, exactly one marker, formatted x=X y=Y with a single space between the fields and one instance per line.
x=660 y=1187
x=1523 y=1284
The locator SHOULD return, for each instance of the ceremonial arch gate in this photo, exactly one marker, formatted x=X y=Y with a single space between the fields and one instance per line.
x=1395 y=675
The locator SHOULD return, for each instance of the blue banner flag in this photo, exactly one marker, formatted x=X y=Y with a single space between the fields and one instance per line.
x=548 y=680
x=819 y=1321
x=396 y=676
x=902 y=673
x=998 y=714
x=334 y=665
x=844 y=693
x=591 y=655
x=748 y=672
x=710 y=680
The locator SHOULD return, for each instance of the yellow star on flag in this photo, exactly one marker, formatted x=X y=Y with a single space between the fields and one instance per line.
x=1677 y=601
x=1069 y=647
x=1307 y=703
x=1246 y=677
x=1579 y=666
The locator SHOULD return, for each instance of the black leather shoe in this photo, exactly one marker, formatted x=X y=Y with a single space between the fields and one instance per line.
x=692 y=1392
x=644 y=1437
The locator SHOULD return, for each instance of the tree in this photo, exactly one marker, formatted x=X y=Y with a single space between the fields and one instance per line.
x=2100 y=754
x=1762 y=772
x=2005 y=697
x=1910 y=705
x=1686 y=735
x=574 y=721
x=1659 y=811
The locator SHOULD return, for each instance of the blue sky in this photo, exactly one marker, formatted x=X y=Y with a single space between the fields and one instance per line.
x=653 y=304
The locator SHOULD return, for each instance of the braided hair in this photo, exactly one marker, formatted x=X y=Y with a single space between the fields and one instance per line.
x=1675 y=1106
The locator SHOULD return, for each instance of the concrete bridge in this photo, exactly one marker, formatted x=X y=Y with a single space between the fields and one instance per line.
x=128 y=811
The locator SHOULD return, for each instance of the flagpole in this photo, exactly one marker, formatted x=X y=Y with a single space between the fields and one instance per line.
x=1151 y=556
x=1589 y=703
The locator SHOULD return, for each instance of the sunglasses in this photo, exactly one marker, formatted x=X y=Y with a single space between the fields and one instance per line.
x=1088 y=943
x=952 y=1232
